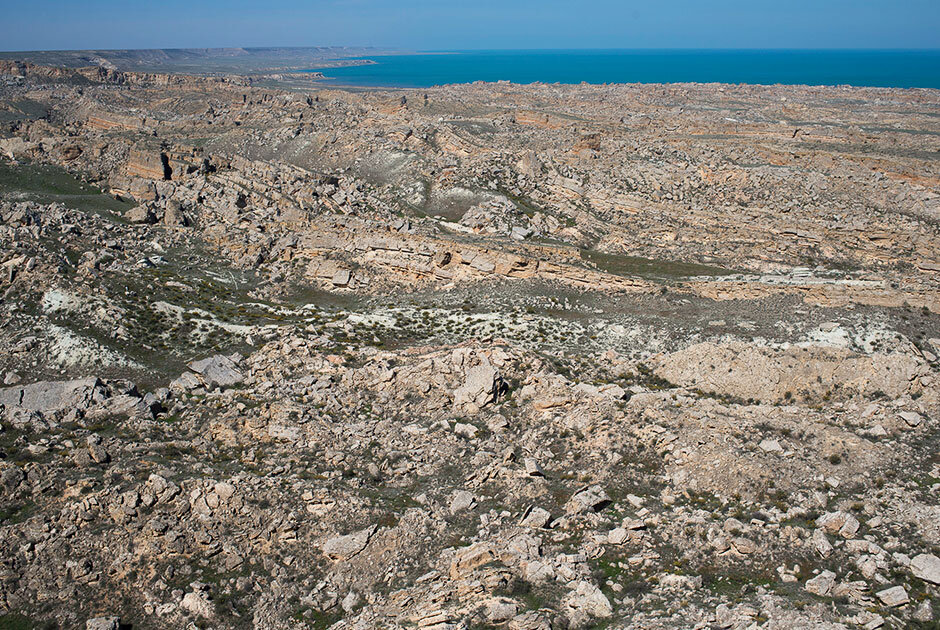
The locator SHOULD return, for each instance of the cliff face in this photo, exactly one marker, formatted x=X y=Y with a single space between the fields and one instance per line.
x=99 y=74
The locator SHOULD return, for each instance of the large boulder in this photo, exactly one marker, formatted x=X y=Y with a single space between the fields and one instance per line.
x=218 y=371
x=343 y=547
x=926 y=567
x=479 y=389
x=586 y=602
x=103 y=623
x=52 y=396
x=140 y=214
x=173 y=213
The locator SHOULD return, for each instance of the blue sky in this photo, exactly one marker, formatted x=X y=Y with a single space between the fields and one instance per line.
x=468 y=24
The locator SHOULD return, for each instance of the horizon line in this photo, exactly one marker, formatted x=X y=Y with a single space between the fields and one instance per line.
x=529 y=49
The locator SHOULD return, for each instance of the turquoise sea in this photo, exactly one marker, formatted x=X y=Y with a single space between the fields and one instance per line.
x=883 y=68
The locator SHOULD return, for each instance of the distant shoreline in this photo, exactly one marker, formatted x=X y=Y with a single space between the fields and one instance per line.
x=859 y=68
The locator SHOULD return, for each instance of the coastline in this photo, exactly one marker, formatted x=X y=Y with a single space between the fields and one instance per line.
x=425 y=69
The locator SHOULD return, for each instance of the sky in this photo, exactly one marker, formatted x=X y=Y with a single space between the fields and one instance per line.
x=469 y=24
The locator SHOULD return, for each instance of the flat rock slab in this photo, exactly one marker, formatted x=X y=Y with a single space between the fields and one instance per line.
x=51 y=396
x=821 y=584
x=343 y=547
x=894 y=596
x=926 y=567
x=103 y=623
x=218 y=371
x=589 y=499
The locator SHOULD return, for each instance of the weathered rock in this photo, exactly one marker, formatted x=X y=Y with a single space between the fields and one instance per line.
x=480 y=388
x=535 y=517
x=103 y=623
x=344 y=547
x=894 y=596
x=926 y=567
x=590 y=498
x=586 y=602
x=52 y=396
x=821 y=584
x=218 y=371
x=841 y=523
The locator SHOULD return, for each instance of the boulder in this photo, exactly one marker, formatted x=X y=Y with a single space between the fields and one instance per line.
x=103 y=623
x=840 y=522
x=52 y=396
x=343 y=547
x=586 y=600
x=821 y=584
x=480 y=387
x=217 y=371
x=588 y=499
x=894 y=596
x=140 y=215
x=926 y=567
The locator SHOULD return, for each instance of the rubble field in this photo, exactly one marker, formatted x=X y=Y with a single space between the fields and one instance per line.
x=484 y=356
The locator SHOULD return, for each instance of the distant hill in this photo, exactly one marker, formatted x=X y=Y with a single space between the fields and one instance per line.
x=194 y=60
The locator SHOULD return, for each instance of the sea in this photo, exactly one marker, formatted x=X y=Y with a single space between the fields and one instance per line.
x=879 y=68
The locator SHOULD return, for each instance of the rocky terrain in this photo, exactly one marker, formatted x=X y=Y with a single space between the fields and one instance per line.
x=482 y=356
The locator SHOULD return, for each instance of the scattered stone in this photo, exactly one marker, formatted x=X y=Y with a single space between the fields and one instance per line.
x=103 y=623
x=926 y=567
x=462 y=501
x=821 y=584
x=590 y=498
x=217 y=371
x=770 y=446
x=894 y=596
x=345 y=547
x=841 y=523
x=536 y=517
x=912 y=418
